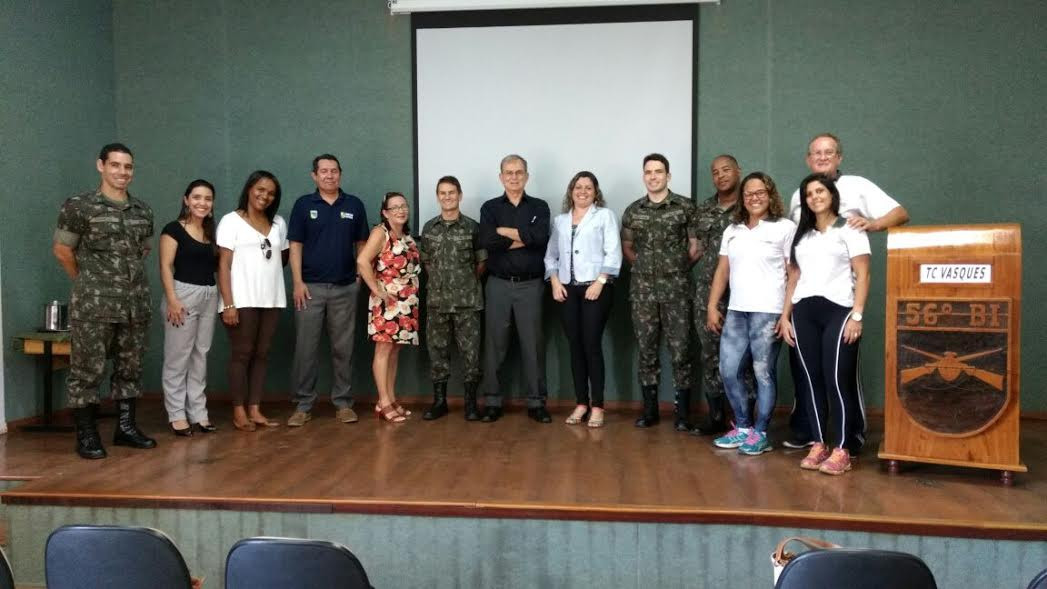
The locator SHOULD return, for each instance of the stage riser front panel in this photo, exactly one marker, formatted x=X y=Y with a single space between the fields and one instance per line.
x=405 y=552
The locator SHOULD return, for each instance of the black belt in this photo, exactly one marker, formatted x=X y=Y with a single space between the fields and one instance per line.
x=517 y=277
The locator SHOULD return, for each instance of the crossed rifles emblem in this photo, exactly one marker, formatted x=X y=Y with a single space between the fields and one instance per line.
x=949 y=366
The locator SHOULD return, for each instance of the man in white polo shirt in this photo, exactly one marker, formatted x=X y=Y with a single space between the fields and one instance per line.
x=866 y=207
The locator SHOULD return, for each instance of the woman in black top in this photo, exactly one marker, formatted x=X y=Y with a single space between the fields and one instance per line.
x=188 y=261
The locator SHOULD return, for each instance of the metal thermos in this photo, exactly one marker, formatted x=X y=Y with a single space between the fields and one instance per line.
x=56 y=316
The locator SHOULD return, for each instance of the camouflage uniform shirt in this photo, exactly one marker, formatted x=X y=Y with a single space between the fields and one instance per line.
x=111 y=239
x=450 y=251
x=660 y=233
x=711 y=221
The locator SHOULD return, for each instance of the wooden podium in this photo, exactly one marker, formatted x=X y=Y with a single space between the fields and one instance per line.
x=953 y=347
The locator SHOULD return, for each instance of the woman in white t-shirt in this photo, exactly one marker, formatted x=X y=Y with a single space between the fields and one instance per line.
x=253 y=246
x=828 y=286
x=754 y=252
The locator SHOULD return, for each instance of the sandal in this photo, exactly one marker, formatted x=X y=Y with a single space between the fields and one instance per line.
x=389 y=413
x=245 y=427
x=596 y=420
x=578 y=415
x=400 y=409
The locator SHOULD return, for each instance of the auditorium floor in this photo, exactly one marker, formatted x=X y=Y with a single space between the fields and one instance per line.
x=518 y=468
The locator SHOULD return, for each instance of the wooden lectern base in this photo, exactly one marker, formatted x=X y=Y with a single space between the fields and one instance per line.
x=894 y=464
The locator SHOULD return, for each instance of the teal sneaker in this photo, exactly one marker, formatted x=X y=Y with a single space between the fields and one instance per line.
x=755 y=444
x=732 y=439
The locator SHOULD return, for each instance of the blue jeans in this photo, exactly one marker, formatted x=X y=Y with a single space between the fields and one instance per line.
x=745 y=336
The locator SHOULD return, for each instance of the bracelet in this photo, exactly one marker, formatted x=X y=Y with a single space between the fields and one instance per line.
x=226 y=308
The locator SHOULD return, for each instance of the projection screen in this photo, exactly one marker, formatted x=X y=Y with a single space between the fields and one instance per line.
x=573 y=96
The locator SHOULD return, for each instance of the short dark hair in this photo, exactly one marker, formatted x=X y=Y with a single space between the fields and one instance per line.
x=656 y=157
x=449 y=180
x=254 y=178
x=727 y=156
x=109 y=148
x=325 y=156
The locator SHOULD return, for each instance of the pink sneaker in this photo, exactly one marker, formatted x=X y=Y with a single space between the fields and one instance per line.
x=838 y=463
x=815 y=457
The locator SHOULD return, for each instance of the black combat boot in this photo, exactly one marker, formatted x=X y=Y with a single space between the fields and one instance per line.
x=88 y=442
x=127 y=432
x=472 y=411
x=715 y=422
x=439 y=408
x=682 y=410
x=650 y=406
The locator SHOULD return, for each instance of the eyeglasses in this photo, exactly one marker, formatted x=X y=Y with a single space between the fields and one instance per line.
x=826 y=153
x=761 y=193
x=397 y=208
x=267 y=249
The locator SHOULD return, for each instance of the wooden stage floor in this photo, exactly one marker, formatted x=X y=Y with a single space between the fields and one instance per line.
x=517 y=468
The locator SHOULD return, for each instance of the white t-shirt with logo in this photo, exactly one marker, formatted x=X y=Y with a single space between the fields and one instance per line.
x=857 y=196
x=757 y=258
x=256 y=281
x=825 y=264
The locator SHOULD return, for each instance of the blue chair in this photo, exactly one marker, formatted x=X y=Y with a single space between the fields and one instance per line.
x=856 y=569
x=114 y=557
x=7 y=580
x=290 y=563
x=1040 y=582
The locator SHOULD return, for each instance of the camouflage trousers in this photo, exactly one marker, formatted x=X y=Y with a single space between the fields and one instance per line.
x=464 y=326
x=91 y=343
x=650 y=319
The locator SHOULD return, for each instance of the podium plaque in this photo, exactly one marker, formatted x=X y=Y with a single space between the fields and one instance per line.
x=953 y=347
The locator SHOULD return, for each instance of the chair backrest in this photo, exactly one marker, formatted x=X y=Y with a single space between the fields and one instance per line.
x=856 y=569
x=290 y=563
x=1040 y=581
x=7 y=580
x=115 y=557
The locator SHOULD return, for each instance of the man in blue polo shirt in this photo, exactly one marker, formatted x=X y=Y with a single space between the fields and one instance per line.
x=326 y=229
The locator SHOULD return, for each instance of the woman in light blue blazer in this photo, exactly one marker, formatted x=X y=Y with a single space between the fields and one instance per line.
x=582 y=259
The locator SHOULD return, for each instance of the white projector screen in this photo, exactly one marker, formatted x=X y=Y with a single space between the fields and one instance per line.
x=567 y=97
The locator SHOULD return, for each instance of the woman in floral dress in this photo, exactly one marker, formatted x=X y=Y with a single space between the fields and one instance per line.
x=389 y=264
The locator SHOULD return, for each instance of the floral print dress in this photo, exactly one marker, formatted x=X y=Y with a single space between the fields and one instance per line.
x=397 y=267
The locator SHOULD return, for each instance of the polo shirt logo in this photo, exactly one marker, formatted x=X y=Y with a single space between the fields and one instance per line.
x=346 y=215
x=313 y=214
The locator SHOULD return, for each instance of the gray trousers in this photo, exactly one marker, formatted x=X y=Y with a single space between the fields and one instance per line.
x=332 y=307
x=184 y=375
x=520 y=303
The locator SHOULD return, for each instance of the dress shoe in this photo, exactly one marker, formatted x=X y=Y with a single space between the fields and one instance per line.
x=186 y=432
x=205 y=428
x=540 y=414
x=491 y=414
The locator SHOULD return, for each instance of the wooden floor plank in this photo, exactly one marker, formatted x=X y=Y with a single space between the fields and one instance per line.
x=518 y=468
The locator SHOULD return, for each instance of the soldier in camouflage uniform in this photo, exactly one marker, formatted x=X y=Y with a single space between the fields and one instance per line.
x=453 y=262
x=659 y=239
x=101 y=240
x=713 y=216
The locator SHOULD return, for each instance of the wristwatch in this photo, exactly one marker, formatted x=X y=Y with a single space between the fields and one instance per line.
x=856 y=316
x=601 y=280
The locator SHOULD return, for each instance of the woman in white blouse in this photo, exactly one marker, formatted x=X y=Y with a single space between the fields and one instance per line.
x=253 y=246
x=583 y=257
x=828 y=286
x=753 y=254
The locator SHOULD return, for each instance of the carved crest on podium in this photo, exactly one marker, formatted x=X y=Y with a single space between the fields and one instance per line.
x=953 y=358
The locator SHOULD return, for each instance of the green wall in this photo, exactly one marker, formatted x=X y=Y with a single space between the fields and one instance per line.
x=56 y=111
x=935 y=102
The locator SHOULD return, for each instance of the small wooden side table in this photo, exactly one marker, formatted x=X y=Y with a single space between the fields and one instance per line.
x=53 y=349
